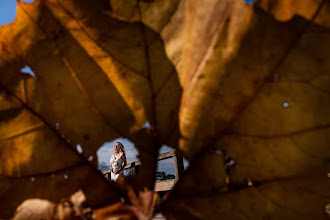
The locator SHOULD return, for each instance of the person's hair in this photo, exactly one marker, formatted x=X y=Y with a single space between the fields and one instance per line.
x=121 y=147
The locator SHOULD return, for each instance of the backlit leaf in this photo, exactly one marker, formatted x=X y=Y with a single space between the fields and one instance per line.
x=240 y=89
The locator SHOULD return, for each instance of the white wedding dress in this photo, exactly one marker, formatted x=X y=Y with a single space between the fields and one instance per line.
x=116 y=164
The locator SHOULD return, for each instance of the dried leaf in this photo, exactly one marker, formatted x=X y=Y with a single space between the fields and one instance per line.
x=86 y=91
x=259 y=92
x=247 y=82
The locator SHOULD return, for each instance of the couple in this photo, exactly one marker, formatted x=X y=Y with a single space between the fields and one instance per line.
x=118 y=162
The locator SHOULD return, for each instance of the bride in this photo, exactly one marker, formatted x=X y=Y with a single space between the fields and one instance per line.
x=117 y=162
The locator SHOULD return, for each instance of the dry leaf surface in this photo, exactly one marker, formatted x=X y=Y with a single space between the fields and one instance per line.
x=248 y=80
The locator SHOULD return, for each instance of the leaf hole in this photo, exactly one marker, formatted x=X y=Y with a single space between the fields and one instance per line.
x=32 y=179
x=90 y=158
x=79 y=148
x=27 y=70
x=165 y=167
x=7 y=12
x=146 y=125
x=57 y=125
x=286 y=105
x=169 y=167
x=249 y=1
x=105 y=152
x=276 y=77
x=66 y=176
x=329 y=175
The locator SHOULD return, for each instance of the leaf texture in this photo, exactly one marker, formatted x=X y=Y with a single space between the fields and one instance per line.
x=221 y=81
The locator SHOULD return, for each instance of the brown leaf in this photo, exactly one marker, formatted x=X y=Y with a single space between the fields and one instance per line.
x=86 y=91
x=257 y=90
x=249 y=83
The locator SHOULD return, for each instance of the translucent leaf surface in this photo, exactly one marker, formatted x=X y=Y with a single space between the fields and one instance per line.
x=221 y=81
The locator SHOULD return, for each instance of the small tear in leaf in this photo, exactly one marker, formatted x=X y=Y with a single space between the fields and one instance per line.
x=230 y=163
x=66 y=176
x=79 y=148
x=32 y=179
x=146 y=125
x=276 y=77
x=285 y=104
x=57 y=125
x=250 y=1
x=249 y=182
x=90 y=158
x=329 y=175
x=27 y=70
x=186 y=164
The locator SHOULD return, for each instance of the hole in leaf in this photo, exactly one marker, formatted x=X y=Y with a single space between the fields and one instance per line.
x=165 y=167
x=57 y=125
x=285 y=104
x=166 y=149
x=32 y=179
x=165 y=170
x=329 y=175
x=90 y=158
x=276 y=77
x=146 y=125
x=66 y=176
x=27 y=70
x=106 y=150
x=7 y=12
x=79 y=148
x=230 y=164
x=250 y=1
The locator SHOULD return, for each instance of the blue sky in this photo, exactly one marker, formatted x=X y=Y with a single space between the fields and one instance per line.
x=8 y=10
